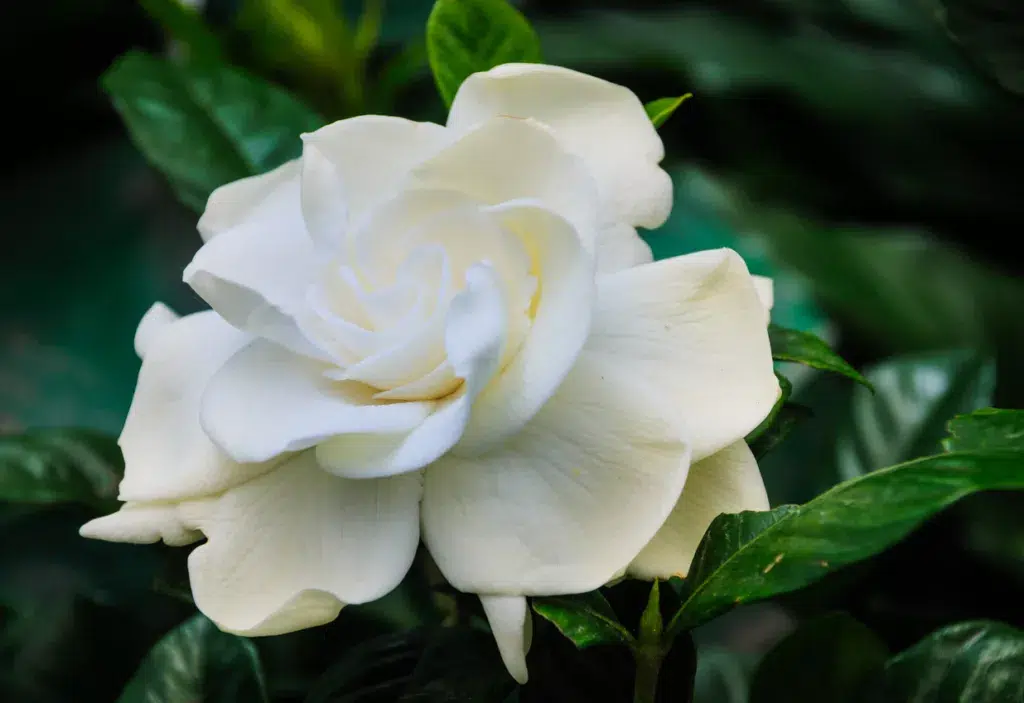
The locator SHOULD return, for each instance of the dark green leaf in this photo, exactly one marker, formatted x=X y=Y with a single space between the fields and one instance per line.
x=459 y=664
x=827 y=659
x=721 y=677
x=789 y=416
x=752 y=556
x=809 y=350
x=971 y=662
x=786 y=389
x=185 y=24
x=376 y=669
x=59 y=466
x=661 y=109
x=204 y=125
x=586 y=619
x=992 y=32
x=198 y=662
x=906 y=416
x=986 y=430
x=467 y=36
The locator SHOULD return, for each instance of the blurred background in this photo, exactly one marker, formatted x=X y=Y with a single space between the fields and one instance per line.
x=866 y=154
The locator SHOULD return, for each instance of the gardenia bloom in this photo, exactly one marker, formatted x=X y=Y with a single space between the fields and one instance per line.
x=451 y=334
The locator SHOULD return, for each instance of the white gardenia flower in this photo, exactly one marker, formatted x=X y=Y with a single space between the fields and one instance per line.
x=451 y=334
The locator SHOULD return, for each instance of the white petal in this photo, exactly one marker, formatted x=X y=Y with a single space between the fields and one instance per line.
x=602 y=122
x=155 y=319
x=620 y=247
x=167 y=455
x=693 y=329
x=766 y=292
x=287 y=550
x=244 y=200
x=560 y=325
x=567 y=502
x=726 y=482
x=266 y=401
x=475 y=336
x=352 y=164
x=506 y=159
x=509 y=617
x=256 y=274
x=142 y=523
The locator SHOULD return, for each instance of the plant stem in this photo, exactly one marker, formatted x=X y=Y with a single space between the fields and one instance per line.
x=648 y=665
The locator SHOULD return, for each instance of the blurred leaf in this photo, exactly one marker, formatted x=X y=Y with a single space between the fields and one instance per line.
x=368 y=29
x=986 y=430
x=185 y=24
x=376 y=669
x=459 y=664
x=198 y=662
x=661 y=109
x=752 y=556
x=721 y=677
x=397 y=72
x=467 y=36
x=906 y=416
x=805 y=348
x=205 y=125
x=586 y=619
x=992 y=32
x=826 y=659
x=970 y=662
x=58 y=466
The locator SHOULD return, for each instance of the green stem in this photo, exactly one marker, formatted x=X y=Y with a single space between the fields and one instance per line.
x=648 y=665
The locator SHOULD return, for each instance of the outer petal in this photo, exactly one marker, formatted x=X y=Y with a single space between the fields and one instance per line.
x=565 y=503
x=602 y=122
x=266 y=401
x=766 y=292
x=287 y=550
x=167 y=455
x=726 y=482
x=243 y=201
x=256 y=273
x=350 y=165
x=693 y=329
x=620 y=247
x=475 y=337
x=142 y=523
x=509 y=617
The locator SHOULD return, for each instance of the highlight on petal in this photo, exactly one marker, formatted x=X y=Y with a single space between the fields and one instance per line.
x=766 y=292
x=692 y=329
x=728 y=481
x=167 y=455
x=244 y=200
x=566 y=503
x=584 y=112
x=153 y=321
x=512 y=626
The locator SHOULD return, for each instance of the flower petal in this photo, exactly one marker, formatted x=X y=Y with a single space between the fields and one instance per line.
x=693 y=329
x=560 y=325
x=167 y=455
x=142 y=523
x=153 y=321
x=512 y=626
x=256 y=274
x=266 y=401
x=287 y=550
x=506 y=159
x=620 y=247
x=567 y=502
x=726 y=482
x=603 y=123
x=244 y=200
x=349 y=165
x=475 y=337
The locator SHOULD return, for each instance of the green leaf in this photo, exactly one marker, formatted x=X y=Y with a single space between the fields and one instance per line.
x=661 y=109
x=204 y=125
x=830 y=658
x=786 y=389
x=381 y=665
x=586 y=619
x=970 y=662
x=906 y=416
x=989 y=429
x=787 y=419
x=992 y=33
x=59 y=466
x=198 y=662
x=185 y=24
x=809 y=350
x=467 y=36
x=721 y=677
x=752 y=556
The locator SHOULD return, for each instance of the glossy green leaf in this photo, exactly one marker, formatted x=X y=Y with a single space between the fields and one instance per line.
x=185 y=24
x=831 y=658
x=586 y=619
x=989 y=429
x=786 y=389
x=752 y=556
x=661 y=109
x=204 y=125
x=467 y=36
x=971 y=662
x=789 y=416
x=906 y=417
x=198 y=662
x=59 y=466
x=808 y=349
